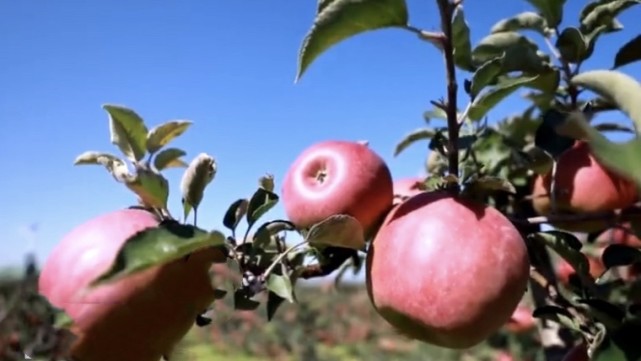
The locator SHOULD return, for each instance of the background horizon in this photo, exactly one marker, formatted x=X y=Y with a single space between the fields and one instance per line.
x=229 y=67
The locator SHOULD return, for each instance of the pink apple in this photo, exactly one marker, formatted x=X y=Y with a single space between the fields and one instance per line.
x=337 y=177
x=446 y=271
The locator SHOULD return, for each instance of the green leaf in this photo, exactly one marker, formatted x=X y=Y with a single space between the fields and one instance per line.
x=616 y=87
x=62 y=319
x=260 y=203
x=162 y=134
x=494 y=45
x=411 y=138
x=616 y=255
x=486 y=74
x=571 y=45
x=235 y=213
x=128 y=131
x=486 y=184
x=547 y=137
x=551 y=10
x=486 y=101
x=151 y=187
x=339 y=230
x=156 y=246
x=461 y=41
x=603 y=13
x=568 y=247
x=243 y=300
x=556 y=314
x=114 y=165
x=273 y=303
x=170 y=158
x=527 y=20
x=280 y=285
x=342 y=19
x=629 y=53
x=613 y=127
x=200 y=172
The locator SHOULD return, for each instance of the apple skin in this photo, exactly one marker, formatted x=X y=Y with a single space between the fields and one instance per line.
x=337 y=177
x=446 y=271
x=140 y=317
x=583 y=186
x=406 y=188
x=578 y=353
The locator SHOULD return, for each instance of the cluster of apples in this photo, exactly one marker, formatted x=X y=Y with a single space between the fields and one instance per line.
x=440 y=268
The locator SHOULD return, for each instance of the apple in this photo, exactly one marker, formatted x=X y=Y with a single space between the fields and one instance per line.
x=137 y=318
x=446 y=270
x=583 y=186
x=503 y=356
x=407 y=187
x=521 y=321
x=337 y=177
x=577 y=353
x=620 y=235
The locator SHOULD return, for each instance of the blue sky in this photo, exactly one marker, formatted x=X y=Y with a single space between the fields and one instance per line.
x=228 y=66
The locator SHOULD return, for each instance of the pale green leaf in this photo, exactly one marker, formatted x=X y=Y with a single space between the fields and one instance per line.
x=162 y=134
x=551 y=10
x=170 y=158
x=461 y=41
x=527 y=20
x=128 y=131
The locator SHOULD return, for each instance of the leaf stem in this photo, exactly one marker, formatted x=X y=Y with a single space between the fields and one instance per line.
x=280 y=258
x=446 y=9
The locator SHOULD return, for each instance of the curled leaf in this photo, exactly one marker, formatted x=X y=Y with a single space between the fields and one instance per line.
x=551 y=10
x=169 y=158
x=280 y=285
x=235 y=213
x=527 y=20
x=116 y=166
x=200 y=172
x=128 y=131
x=494 y=45
x=461 y=41
x=339 y=230
x=603 y=13
x=162 y=134
x=629 y=53
x=338 y=20
x=411 y=138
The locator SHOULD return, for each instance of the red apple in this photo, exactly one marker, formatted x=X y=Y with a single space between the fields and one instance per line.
x=620 y=235
x=406 y=187
x=138 y=318
x=445 y=270
x=337 y=177
x=521 y=321
x=583 y=186
x=577 y=353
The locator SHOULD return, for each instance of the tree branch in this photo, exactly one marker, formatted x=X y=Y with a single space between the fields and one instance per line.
x=446 y=9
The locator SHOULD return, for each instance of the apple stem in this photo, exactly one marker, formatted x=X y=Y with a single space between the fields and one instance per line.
x=446 y=10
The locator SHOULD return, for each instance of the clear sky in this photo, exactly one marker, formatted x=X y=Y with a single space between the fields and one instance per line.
x=228 y=66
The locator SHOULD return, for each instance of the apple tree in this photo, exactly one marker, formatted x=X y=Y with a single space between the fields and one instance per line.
x=450 y=259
